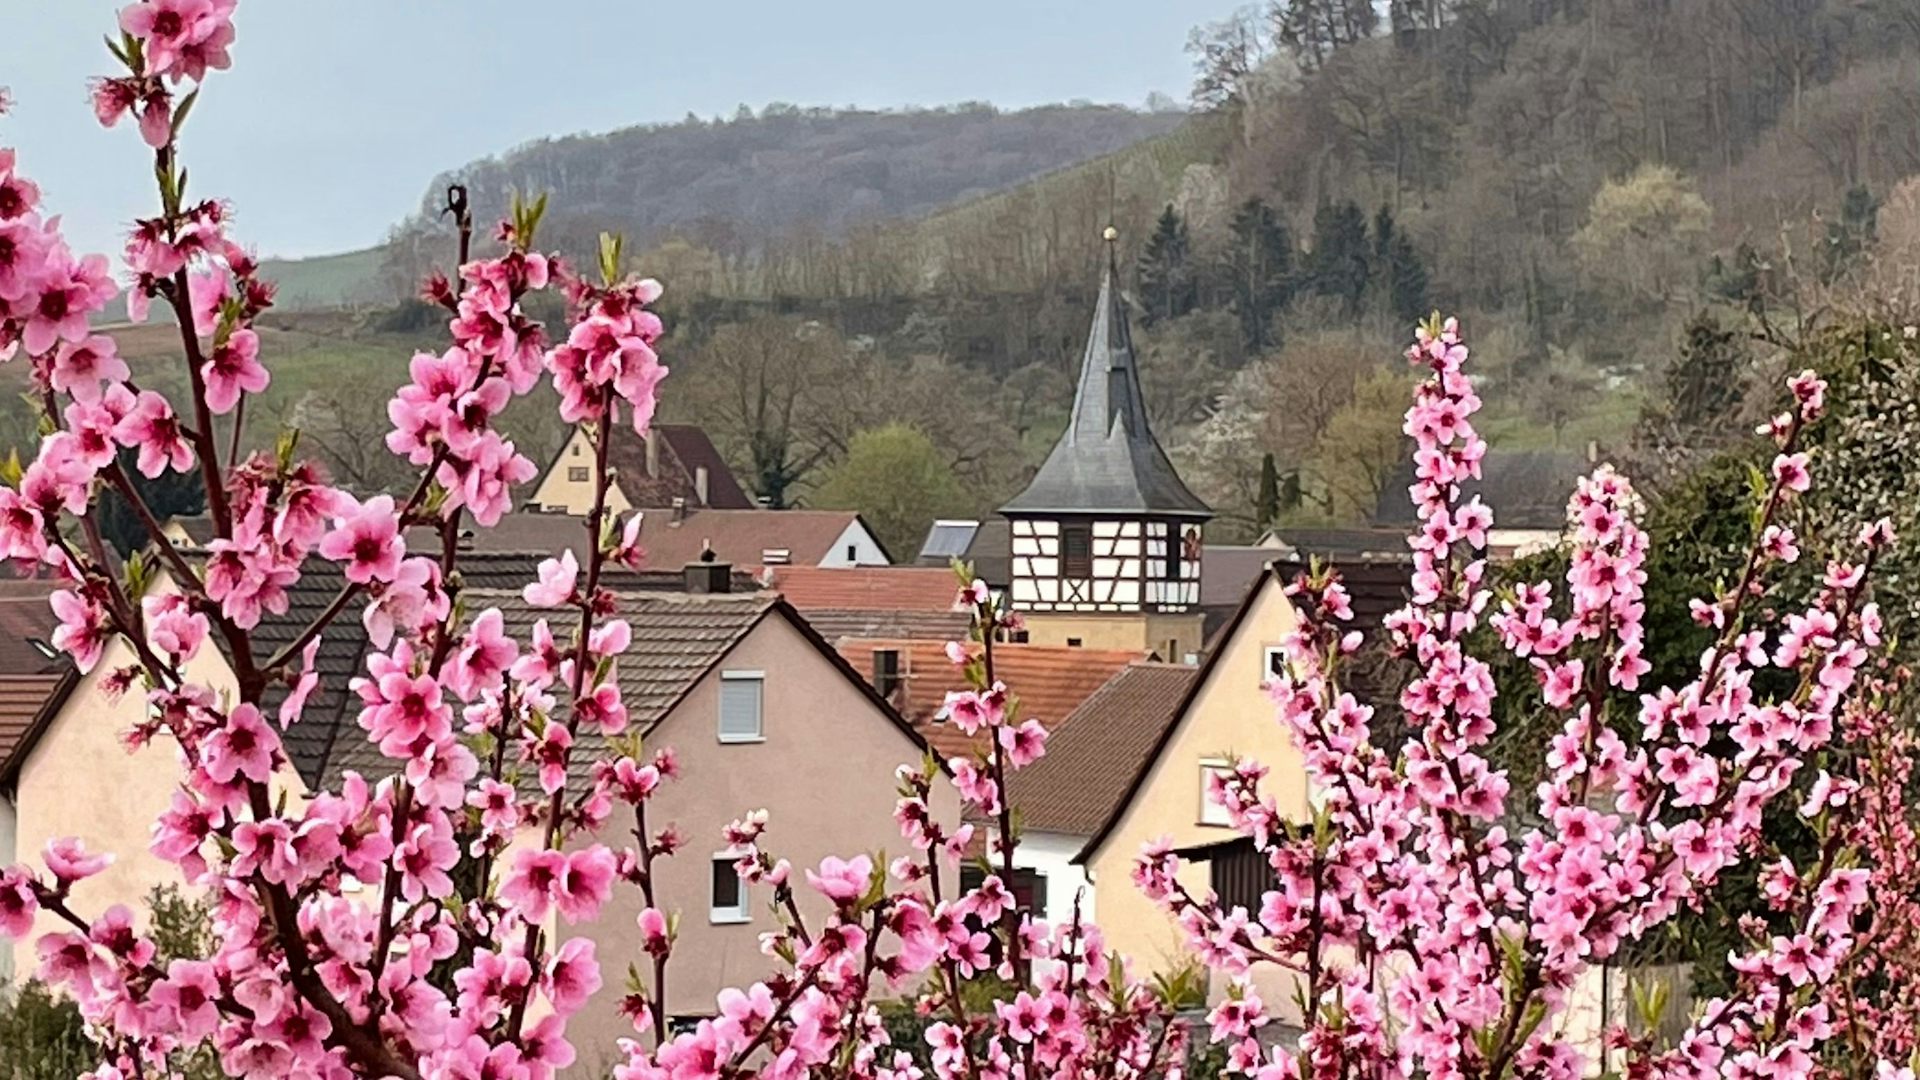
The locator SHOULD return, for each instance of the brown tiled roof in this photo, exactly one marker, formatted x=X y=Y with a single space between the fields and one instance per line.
x=25 y=618
x=835 y=624
x=1049 y=680
x=21 y=699
x=739 y=537
x=869 y=588
x=1096 y=752
x=683 y=449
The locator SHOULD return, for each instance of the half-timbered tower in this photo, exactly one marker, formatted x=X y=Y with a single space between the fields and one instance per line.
x=1106 y=540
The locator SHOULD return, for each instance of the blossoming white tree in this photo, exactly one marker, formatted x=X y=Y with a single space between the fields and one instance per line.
x=1431 y=932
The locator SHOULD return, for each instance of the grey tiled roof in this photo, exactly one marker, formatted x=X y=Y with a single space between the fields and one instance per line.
x=677 y=638
x=328 y=718
x=1108 y=460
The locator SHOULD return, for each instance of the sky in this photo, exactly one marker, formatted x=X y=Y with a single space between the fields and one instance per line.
x=337 y=113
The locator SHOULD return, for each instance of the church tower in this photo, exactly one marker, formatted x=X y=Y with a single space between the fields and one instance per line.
x=1107 y=538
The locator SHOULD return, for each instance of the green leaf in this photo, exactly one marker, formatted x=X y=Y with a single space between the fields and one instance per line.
x=186 y=107
x=611 y=245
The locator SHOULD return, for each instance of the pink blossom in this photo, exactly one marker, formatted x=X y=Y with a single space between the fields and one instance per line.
x=82 y=633
x=367 y=540
x=69 y=861
x=233 y=369
x=79 y=368
x=556 y=582
x=842 y=880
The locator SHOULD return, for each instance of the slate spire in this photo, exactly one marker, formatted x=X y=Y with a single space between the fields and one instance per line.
x=1107 y=461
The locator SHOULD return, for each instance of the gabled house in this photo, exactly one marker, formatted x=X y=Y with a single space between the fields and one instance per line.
x=69 y=773
x=1091 y=759
x=674 y=464
x=1224 y=712
x=762 y=714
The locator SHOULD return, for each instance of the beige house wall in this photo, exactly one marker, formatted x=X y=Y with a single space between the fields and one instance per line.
x=1147 y=632
x=1231 y=715
x=556 y=492
x=824 y=772
x=81 y=780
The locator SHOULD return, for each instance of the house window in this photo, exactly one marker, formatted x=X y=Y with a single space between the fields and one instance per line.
x=853 y=552
x=729 y=903
x=577 y=473
x=741 y=693
x=1212 y=813
x=1273 y=664
x=1076 y=551
x=1029 y=887
x=1173 y=551
x=1073 y=643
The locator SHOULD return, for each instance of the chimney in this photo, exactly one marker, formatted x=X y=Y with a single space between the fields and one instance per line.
x=886 y=672
x=705 y=578
x=679 y=509
x=700 y=484
x=653 y=454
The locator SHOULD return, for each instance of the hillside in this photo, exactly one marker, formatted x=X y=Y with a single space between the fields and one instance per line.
x=1593 y=204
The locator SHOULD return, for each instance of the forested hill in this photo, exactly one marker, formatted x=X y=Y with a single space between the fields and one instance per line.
x=731 y=185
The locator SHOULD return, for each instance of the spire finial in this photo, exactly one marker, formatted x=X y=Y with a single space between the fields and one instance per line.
x=1110 y=234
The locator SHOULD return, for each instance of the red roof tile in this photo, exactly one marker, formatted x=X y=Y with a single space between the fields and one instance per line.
x=1050 y=681
x=866 y=588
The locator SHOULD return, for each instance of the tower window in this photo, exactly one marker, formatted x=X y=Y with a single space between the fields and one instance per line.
x=1076 y=551
x=1173 y=550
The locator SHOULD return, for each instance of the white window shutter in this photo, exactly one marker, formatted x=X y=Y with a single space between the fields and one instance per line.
x=740 y=700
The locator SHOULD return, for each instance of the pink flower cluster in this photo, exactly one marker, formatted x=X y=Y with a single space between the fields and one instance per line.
x=1420 y=898
x=414 y=925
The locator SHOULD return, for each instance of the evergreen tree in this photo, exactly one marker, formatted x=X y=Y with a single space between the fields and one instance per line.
x=1267 y=506
x=169 y=495
x=1739 y=278
x=1339 y=264
x=1313 y=30
x=1260 y=266
x=1400 y=278
x=1850 y=237
x=1167 y=286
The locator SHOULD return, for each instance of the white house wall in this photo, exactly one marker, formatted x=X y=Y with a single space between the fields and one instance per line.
x=856 y=547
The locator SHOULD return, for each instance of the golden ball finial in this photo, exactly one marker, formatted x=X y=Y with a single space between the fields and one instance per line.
x=1110 y=234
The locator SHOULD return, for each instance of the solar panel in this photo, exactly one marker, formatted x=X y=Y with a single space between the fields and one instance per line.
x=948 y=540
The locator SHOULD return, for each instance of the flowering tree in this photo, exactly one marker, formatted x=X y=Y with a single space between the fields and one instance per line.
x=1432 y=931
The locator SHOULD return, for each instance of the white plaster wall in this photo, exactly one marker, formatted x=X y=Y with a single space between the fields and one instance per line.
x=1052 y=854
x=865 y=550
